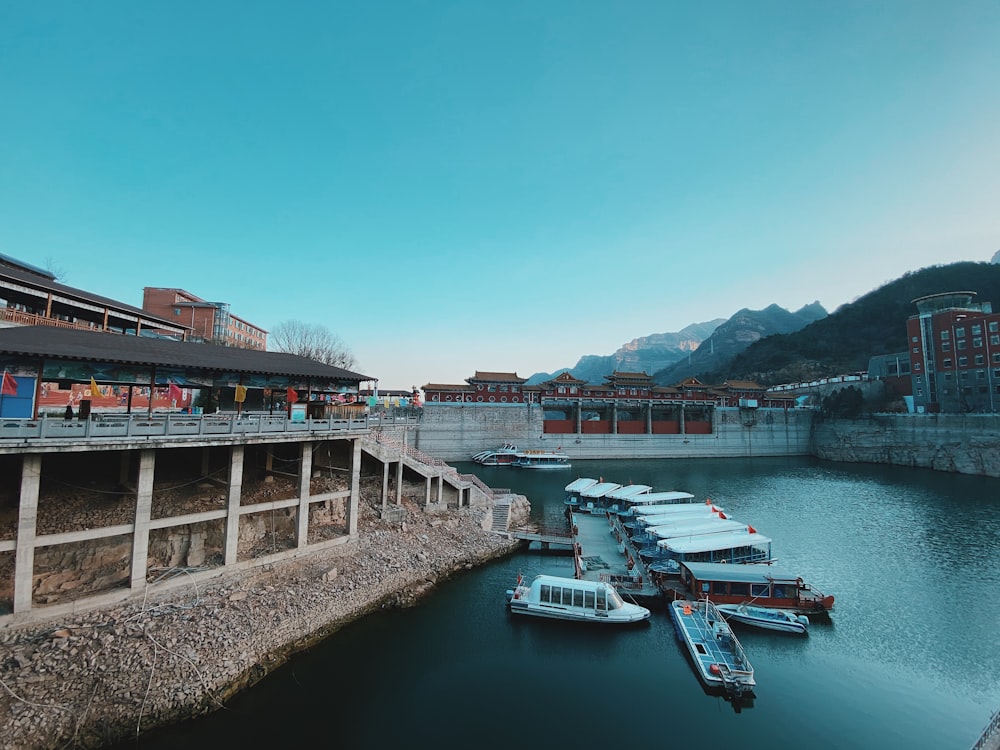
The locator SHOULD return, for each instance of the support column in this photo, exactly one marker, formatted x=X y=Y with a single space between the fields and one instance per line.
x=353 y=505
x=234 y=492
x=205 y=461
x=681 y=418
x=399 y=482
x=385 y=484
x=579 y=418
x=143 y=513
x=305 y=478
x=614 y=418
x=27 y=522
x=440 y=484
x=649 y=418
x=427 y=491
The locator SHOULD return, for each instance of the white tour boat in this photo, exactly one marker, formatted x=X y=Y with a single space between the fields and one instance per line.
x=572 y=599
x=539 y=459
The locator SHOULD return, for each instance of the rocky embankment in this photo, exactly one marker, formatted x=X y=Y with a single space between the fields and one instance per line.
x=110 y=674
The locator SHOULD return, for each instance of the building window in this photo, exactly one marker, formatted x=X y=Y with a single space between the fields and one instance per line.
x=977 y=343
x=946 y=346
x=977 y=330
x=947 y=362
x=959 y=333
x=920 y=391
x=963 y=361
x=996 y=374
x=980 y=359
x=980 y=374
x=995 y=339
x=947 y=376
x=944 y=335
x=994 y=327
x=960 y=344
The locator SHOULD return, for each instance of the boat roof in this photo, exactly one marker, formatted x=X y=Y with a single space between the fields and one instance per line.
x=707 y=542
x=580 y=583
x=667 y=508
x=580 y=484
x=599 y=490
x=706 y=571
x=629 y=490
x=672 y=497
x=718 y=526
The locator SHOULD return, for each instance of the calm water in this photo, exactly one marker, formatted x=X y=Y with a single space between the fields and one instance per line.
x=909 y=658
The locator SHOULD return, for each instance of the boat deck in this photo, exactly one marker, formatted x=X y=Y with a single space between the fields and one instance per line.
x=707 y=647
x=599 y=556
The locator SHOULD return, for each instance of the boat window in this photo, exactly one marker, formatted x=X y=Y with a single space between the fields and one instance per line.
x=719 y=587
x=614 y=600
x=758 y=589
x=544 y=593
x=567 y=596
x=577 y=598
x=588 y=599
x=739 y=589
x=602 y=602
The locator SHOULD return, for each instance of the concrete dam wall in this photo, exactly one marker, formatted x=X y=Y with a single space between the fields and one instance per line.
x=456 y=432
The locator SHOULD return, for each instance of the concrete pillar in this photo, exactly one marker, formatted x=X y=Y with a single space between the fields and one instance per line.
x=385 y=483
x=427 y=491
x=305 y=477
x=681 y=418
x=269 y=461
x=143 y=513
x=27 y=522
x=354 y=504
x=579 y=418
x=614 y=418
x=399 y=482
x=234 y=492
x=440 y=484
x=649 y=418
x=206 y=465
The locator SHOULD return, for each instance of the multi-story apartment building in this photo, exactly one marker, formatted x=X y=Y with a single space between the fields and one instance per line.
x=208 y=321
x=954 y=354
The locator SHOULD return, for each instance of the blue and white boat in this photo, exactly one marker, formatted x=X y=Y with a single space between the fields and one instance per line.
x=765 y=617
x=718 y=656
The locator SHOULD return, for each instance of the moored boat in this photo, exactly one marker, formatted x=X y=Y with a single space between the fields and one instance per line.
x=573 y=599
x=500 y=456
x=717 y=655
x=765 y=617
x=541 y=459
x=764 y=585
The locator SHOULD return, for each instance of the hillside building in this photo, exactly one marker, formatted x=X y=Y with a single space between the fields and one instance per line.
x=954 y=354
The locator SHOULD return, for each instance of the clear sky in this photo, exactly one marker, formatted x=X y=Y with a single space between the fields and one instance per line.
x=505 y=185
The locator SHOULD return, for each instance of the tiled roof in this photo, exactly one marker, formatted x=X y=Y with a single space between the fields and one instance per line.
x=65 y=343
x=497 y=377
x=445 y=387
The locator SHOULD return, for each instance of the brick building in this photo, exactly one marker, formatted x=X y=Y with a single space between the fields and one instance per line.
x=207 y=321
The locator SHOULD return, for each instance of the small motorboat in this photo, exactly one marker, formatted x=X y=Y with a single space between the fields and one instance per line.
x=765 y=617
x=572 y=599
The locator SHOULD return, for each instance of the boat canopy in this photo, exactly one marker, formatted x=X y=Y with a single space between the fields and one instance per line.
x=718 y=526
x=628 y=491
x=710 y=542
x=599 y=490
x=706 y=571
x=663 y=498
x=580 y=484
x=673 y=509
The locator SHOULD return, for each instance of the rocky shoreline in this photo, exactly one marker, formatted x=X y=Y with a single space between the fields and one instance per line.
x=107 y=675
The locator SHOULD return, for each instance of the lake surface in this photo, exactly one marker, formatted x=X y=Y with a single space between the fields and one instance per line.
x=910 y=656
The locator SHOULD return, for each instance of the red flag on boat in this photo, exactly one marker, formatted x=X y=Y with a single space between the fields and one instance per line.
x=9 y=387
x=751 y=529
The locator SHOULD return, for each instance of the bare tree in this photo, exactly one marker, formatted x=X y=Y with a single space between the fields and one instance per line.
x=57 y=271
x=311 y=340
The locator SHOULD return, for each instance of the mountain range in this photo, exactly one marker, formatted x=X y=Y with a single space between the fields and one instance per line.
x=774 y=345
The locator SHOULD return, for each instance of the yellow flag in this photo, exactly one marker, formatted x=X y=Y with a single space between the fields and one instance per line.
x=94 y=393
x=241 y=394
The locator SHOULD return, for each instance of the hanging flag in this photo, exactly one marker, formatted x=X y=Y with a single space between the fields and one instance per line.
x=9 y=385
x=291 y=395
x=241 y=394
x=174 y=393
x=94 y=393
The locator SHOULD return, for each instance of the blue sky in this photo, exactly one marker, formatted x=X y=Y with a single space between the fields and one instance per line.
x=462 y=186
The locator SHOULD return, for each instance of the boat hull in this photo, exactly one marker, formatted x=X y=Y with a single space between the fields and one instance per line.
x=717 y=655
